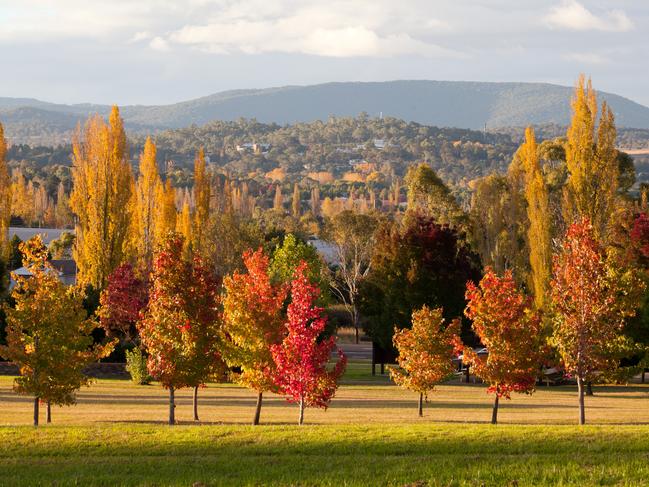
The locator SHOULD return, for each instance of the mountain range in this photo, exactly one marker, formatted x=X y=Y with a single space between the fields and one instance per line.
x=473 y=105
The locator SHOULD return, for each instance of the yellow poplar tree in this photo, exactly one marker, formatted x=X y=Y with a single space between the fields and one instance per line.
x=184 y=226
x=5 y=196
x=102 y=189
x=145 y=205
x=202 y=204
x=538 y=213
x=592 y=164
x=166 y=213
x=295 y=205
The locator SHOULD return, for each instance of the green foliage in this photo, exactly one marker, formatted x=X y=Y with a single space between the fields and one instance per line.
x=48 y=335
x=136 y=366
x=288 y=256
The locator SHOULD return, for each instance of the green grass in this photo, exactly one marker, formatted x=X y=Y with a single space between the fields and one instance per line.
x=370 y=435
x=325 y=455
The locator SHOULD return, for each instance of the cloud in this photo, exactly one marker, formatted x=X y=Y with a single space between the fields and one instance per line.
x=572 y=15
x=142 y=35
x=159 y=44
x=293 y=36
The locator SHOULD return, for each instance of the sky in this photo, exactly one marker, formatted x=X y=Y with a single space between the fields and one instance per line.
x=164 y=51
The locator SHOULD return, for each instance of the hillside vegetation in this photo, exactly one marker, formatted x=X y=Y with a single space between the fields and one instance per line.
x=472 y=105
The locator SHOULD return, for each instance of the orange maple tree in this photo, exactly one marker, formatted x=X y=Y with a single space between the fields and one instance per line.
x=507 y=325
x=426 y=352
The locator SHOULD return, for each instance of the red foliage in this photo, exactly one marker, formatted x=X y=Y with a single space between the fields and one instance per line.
x=181 y=325
x=504 y=321
x=301 y=360
x=122 y=302
x=640 y=234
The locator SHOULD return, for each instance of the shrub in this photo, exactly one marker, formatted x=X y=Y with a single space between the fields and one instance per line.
x=136 y=366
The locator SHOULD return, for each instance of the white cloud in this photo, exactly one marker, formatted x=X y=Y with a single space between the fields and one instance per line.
x=159 y=44
x=369 y=28
x=572 y=15
x=142 y=35
x=293 y=36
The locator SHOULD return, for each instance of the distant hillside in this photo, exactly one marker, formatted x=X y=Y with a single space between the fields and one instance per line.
x=439 y=103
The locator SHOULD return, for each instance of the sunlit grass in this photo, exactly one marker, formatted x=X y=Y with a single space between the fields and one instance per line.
x=370 y=435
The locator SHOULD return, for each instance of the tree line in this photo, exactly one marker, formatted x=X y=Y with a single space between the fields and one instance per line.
x=554 y=252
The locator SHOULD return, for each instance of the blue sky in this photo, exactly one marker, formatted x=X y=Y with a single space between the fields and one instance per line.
x=162 y=51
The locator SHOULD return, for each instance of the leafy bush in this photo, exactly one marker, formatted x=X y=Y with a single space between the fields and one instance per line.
x=136 y=366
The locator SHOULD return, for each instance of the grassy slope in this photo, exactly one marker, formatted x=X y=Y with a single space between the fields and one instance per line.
x=370 y=436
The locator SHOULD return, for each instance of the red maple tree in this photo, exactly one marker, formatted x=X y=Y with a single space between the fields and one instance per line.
x=181 y=325
x=590 y=308
x=507 y=325
x=122 y=301
x=301 y=360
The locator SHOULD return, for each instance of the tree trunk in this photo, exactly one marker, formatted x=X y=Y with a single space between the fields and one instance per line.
x=49 y=412
x=355 y=318
x=301 y=420
x=255 y=420
x=494 y=413
x=172 y=407
x=582 y=409
x=421 y=404
x=195 y=403
x=36 y=411
x=589 y=388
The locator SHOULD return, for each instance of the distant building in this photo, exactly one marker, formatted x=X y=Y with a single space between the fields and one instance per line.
x=47 y=234
x=66 y=271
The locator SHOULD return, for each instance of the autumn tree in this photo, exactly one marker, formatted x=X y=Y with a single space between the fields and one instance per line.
x=181 y=324
x=592 y=162
x=426 y=352
x=278 y=199
x=48 y=335
x=103 y=187
x=352 y=236
x=121 y=302
x=538 y=214
x=184 y=227
x=589 y=308
x=165 y=211
x=301 y=359
x=296 y=205
x=253 y=321
x=145 y=202
x=414 y=264
x=202 y=193
x=428 y=196
x=5 y=199
x=506 y=324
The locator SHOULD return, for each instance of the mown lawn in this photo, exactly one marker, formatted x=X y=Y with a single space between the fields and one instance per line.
x=424 y=454
x=371 y=435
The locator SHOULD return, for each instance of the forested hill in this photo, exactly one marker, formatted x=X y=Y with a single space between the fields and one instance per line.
x=440 y=103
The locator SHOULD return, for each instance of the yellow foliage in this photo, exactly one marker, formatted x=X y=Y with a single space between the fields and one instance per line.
x=102 y=190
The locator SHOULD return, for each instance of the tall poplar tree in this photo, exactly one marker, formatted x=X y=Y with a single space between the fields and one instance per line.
x=202 y=193
x=538 y=213
x=591 y=189
x=102 y=188
x=5 y=198
x=145 y=203
x=295 y=204
x=165 y=208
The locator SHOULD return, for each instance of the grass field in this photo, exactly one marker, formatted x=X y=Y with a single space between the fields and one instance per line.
x=371 y=435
